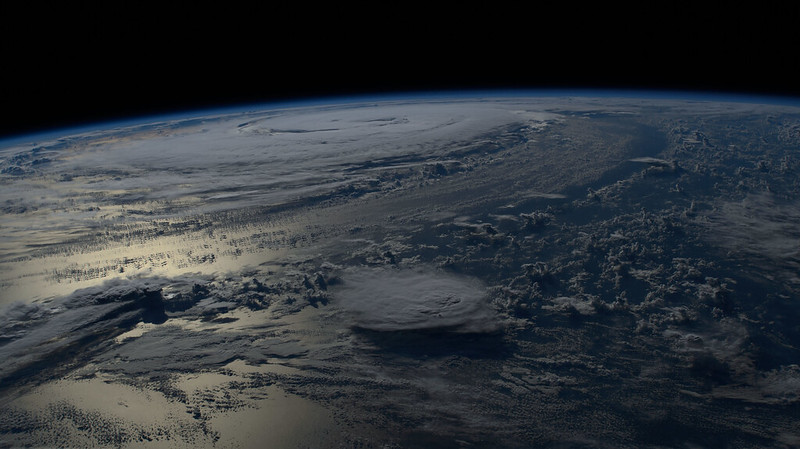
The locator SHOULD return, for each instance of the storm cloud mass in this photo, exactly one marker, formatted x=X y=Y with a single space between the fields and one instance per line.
x=398 y=300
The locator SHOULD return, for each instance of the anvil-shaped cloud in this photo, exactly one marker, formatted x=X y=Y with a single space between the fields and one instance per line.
x=404 y=300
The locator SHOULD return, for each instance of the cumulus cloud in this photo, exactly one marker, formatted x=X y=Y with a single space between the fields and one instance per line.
x=401 y=300
x=569 y=304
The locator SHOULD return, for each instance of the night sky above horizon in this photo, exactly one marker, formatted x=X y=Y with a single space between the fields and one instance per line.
x=90 y=66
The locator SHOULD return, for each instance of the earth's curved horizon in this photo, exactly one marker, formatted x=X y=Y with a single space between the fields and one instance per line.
x=165 y=112
x=506 y=269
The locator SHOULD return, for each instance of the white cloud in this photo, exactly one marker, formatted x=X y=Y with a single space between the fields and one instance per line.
x=400 y=300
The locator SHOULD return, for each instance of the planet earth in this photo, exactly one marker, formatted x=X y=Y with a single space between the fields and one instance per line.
x=508 y=269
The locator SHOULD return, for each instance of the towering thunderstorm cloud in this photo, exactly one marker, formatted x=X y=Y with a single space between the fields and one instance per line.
x=402 y=300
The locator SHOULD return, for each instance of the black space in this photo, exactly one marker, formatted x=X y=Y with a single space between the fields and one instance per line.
x=65 y=67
